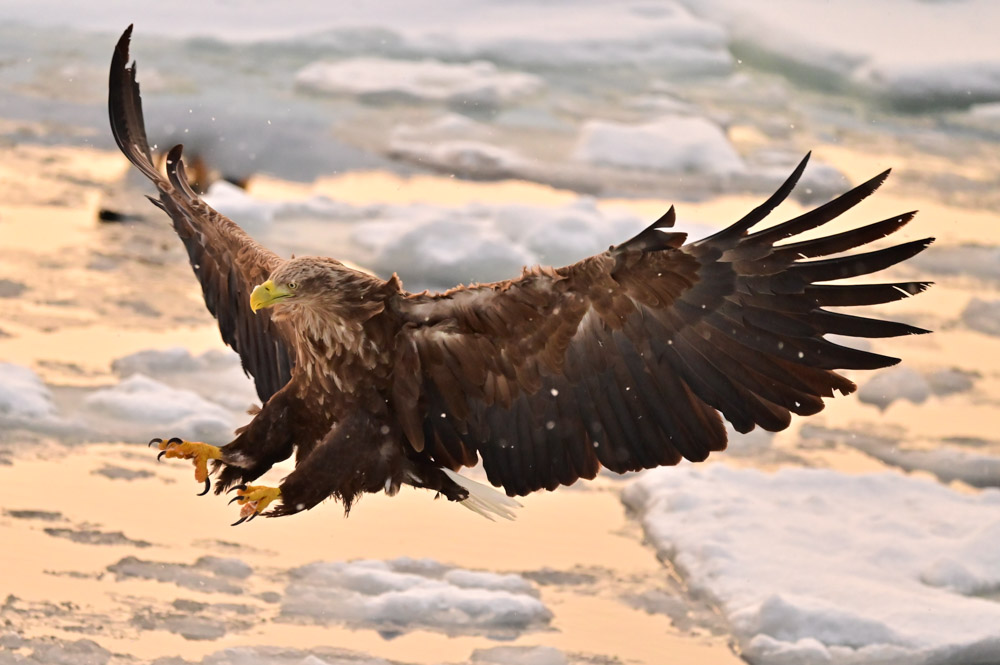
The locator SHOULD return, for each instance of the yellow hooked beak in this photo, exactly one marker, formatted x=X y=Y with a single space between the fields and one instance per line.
x=266 y=294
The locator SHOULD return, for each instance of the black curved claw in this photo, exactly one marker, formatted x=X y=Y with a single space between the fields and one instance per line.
x=162 y=453
x=174 y=440
x=235 y=498
x=241 y=486
x=208 y=486
x=156 y=440
x=239 y=521
x=251 y=518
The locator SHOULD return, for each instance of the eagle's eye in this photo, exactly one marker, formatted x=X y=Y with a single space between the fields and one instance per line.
x=293 y=285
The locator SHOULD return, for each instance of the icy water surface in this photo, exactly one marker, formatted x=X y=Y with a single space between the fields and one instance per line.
x=458 y=142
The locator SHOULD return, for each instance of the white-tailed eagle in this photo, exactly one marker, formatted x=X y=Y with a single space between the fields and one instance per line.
x=628 y=359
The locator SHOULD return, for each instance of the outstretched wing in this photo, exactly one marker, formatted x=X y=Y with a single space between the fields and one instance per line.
x=627 y=358
x=227 y=261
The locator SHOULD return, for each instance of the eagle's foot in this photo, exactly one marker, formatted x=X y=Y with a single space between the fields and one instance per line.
x=193 y=450
x=253 y=499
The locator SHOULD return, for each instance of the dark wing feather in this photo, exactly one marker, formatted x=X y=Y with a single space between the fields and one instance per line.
x=226 y=260
x=626 y=359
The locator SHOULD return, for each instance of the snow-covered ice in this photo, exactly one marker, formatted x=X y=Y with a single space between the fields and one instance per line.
x=978 y=261
x=982 y=316
x=15 y=650
x=945 y=459
x=859 y=46
x=140 y=405
x=470 y=159
x=478 y=83
x=25 y=400
x=673 y=143
x=198 y=397
x=816 y=566
x=889 y=385
x=902 y=382
x=519 y=655
x=216 y=375
x=256 y=215
x=406 y=594
x=439 y=246
x=210 y=574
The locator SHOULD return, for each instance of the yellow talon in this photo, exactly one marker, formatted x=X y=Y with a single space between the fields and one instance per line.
x=254 y=499
x=199 y=452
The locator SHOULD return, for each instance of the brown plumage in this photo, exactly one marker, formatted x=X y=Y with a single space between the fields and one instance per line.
x=624 y=360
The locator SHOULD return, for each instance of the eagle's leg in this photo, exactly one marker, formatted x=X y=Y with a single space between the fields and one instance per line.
x=263 y=442
x=253 y=499
x=193 y=450
x=354 y=458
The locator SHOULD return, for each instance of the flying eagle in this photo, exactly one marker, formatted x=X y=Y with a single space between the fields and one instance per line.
x=624 y=360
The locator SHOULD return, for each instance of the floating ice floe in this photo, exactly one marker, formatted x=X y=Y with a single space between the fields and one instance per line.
x=664 y=37
x=468 y=159
x=457 y=145
x=477 y=84
x=858 y=46
x=519 y=655
x=140 y=405
x=982 y=316
x=438 y=247
x=899 y=383
x=945 y=459
x=816 y=566
x=407 y=594
x=673 y=143
x=216 y=375
x=255 y=214
x=25 y=401
x=978 y=261
x=95 y=537
x=201 y=397
x=209 y=573
x=15 y=649
x=889 y=385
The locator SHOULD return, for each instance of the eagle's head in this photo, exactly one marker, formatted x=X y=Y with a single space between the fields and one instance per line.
x=306 y=280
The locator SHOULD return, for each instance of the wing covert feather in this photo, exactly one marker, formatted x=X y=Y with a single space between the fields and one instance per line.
x=629 y=359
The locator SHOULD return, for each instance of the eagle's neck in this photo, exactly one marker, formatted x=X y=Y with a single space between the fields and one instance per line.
x=332 y=349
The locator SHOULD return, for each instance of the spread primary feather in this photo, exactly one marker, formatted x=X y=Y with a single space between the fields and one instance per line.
x=628 y=359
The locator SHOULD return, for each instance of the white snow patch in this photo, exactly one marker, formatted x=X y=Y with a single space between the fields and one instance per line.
x=379 y=79
x=860 y=46
x=896 y=383
x=982 y=316
x=283 y=655
x=255 y=214
x=216 y=375
x=948 y=464
x=24 y=398
x=889 y=385
x=519 y=655
x=149 y=405
x=816 y=566
x=437 y=247
x=209 y=573
x=403 y=594
x=202 y=397
x=457 y=145
x=673 y=143
x=944 y=459
x=461 y=157
x=951 y=381
x=982 y=262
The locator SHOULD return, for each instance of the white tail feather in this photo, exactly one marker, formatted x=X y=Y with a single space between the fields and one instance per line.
x=485 y=500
